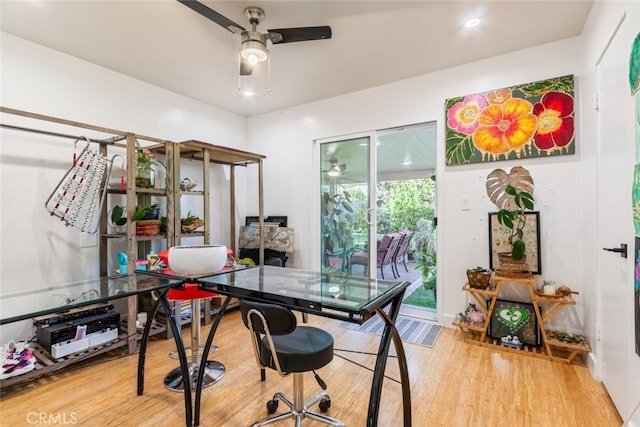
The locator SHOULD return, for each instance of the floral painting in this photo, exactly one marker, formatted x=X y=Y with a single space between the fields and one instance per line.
x=529 y=120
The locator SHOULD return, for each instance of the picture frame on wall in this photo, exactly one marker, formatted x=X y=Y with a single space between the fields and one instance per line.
x=499 y=241
x=511 y=319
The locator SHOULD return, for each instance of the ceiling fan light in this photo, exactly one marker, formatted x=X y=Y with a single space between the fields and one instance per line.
x=254 y=51
x=333 y=172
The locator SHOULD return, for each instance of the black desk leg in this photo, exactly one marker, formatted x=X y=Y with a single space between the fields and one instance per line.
x=203 y=362
x=182 y=356
x=142 y=354
x=390 y=332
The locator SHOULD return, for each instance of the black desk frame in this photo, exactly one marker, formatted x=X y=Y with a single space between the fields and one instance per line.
x=393 y=300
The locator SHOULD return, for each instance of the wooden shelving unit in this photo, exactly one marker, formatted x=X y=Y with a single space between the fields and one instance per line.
x=545 y=308
x=207 y=154
x=138 y=246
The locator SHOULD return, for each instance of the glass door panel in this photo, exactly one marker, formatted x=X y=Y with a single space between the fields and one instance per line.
x=405 y=199
x=345 y=205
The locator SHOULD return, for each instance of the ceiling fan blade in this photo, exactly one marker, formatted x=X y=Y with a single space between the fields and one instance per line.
x=211 y=14
x=245 y=67
x=301 y=34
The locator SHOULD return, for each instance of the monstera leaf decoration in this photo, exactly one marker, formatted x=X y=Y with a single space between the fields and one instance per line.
x=499 y=180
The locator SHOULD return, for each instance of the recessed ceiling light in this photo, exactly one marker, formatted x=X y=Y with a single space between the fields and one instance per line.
x=473 y=22
x=248 y=93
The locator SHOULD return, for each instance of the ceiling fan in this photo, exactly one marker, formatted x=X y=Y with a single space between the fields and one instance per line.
x=335 y=169
x=253 y=46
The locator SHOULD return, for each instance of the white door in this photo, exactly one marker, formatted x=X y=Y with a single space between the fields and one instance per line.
x=616 y=156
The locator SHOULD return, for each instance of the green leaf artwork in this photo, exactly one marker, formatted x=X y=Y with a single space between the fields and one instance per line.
x=513 y=317
x=634 y=66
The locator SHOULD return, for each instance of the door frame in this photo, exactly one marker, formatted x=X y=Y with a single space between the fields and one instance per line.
x=614 y=274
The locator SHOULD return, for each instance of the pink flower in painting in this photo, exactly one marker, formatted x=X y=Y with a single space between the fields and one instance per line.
x=463 y=116
x=555 y=121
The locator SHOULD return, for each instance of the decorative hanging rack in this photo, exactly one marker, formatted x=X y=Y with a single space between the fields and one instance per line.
x=76 y=199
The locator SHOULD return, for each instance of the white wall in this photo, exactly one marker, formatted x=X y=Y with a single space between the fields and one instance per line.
x=286 y=138
x=565 y=186
x=36 y=250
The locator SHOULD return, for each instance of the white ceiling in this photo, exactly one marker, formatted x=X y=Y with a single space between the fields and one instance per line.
x=374 y=42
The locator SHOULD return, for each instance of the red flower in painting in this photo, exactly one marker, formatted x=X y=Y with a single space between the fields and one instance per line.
x=555 y=121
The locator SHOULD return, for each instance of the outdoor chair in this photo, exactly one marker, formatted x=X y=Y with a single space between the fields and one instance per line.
x=386 y=249
x=401 y=253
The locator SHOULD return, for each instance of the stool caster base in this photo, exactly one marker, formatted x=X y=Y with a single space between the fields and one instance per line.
x=212 y=374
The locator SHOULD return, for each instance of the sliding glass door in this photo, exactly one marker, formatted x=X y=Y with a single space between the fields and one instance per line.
x=346 y=213
x=373 y=186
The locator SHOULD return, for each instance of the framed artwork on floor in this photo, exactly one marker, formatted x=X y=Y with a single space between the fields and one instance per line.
x=499 y=241
x=511 y=320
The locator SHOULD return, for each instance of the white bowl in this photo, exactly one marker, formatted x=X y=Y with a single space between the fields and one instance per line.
x=197 y=259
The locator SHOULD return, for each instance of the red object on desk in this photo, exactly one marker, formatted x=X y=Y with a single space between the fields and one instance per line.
x=164 y=256
x=189 y=292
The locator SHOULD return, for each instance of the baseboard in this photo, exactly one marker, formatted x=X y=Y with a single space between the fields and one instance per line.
x=593 y=363
x=447 y=321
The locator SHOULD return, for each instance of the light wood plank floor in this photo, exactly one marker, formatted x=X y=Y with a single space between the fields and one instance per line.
x=452 y=384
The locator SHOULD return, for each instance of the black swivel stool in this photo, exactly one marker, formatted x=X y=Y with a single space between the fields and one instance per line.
x=280 y=344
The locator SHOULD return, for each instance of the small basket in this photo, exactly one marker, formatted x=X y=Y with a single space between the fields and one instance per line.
x=479 y=279
x=509 y=265
x=148 y=227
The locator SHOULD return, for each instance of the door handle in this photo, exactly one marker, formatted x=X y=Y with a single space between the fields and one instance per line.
x=622 y=250
x=367 y=218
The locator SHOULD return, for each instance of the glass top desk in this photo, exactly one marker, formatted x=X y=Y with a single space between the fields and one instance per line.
x=348 y=298
x=50 y=301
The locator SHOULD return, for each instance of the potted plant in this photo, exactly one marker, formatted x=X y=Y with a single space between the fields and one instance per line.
x=118 y=219
x=163 y=224
x=118 y=216
x=190 y=223
x=146 y=168
x=337 y=229
x=146 y=212
x=478 y=277
x=513 y=195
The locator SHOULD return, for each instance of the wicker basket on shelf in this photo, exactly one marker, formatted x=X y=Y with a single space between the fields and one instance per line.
x=479 y=279
x=148 y=227
x=510 y=265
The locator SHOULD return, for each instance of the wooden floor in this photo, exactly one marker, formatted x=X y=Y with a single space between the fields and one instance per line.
x=452 y=384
